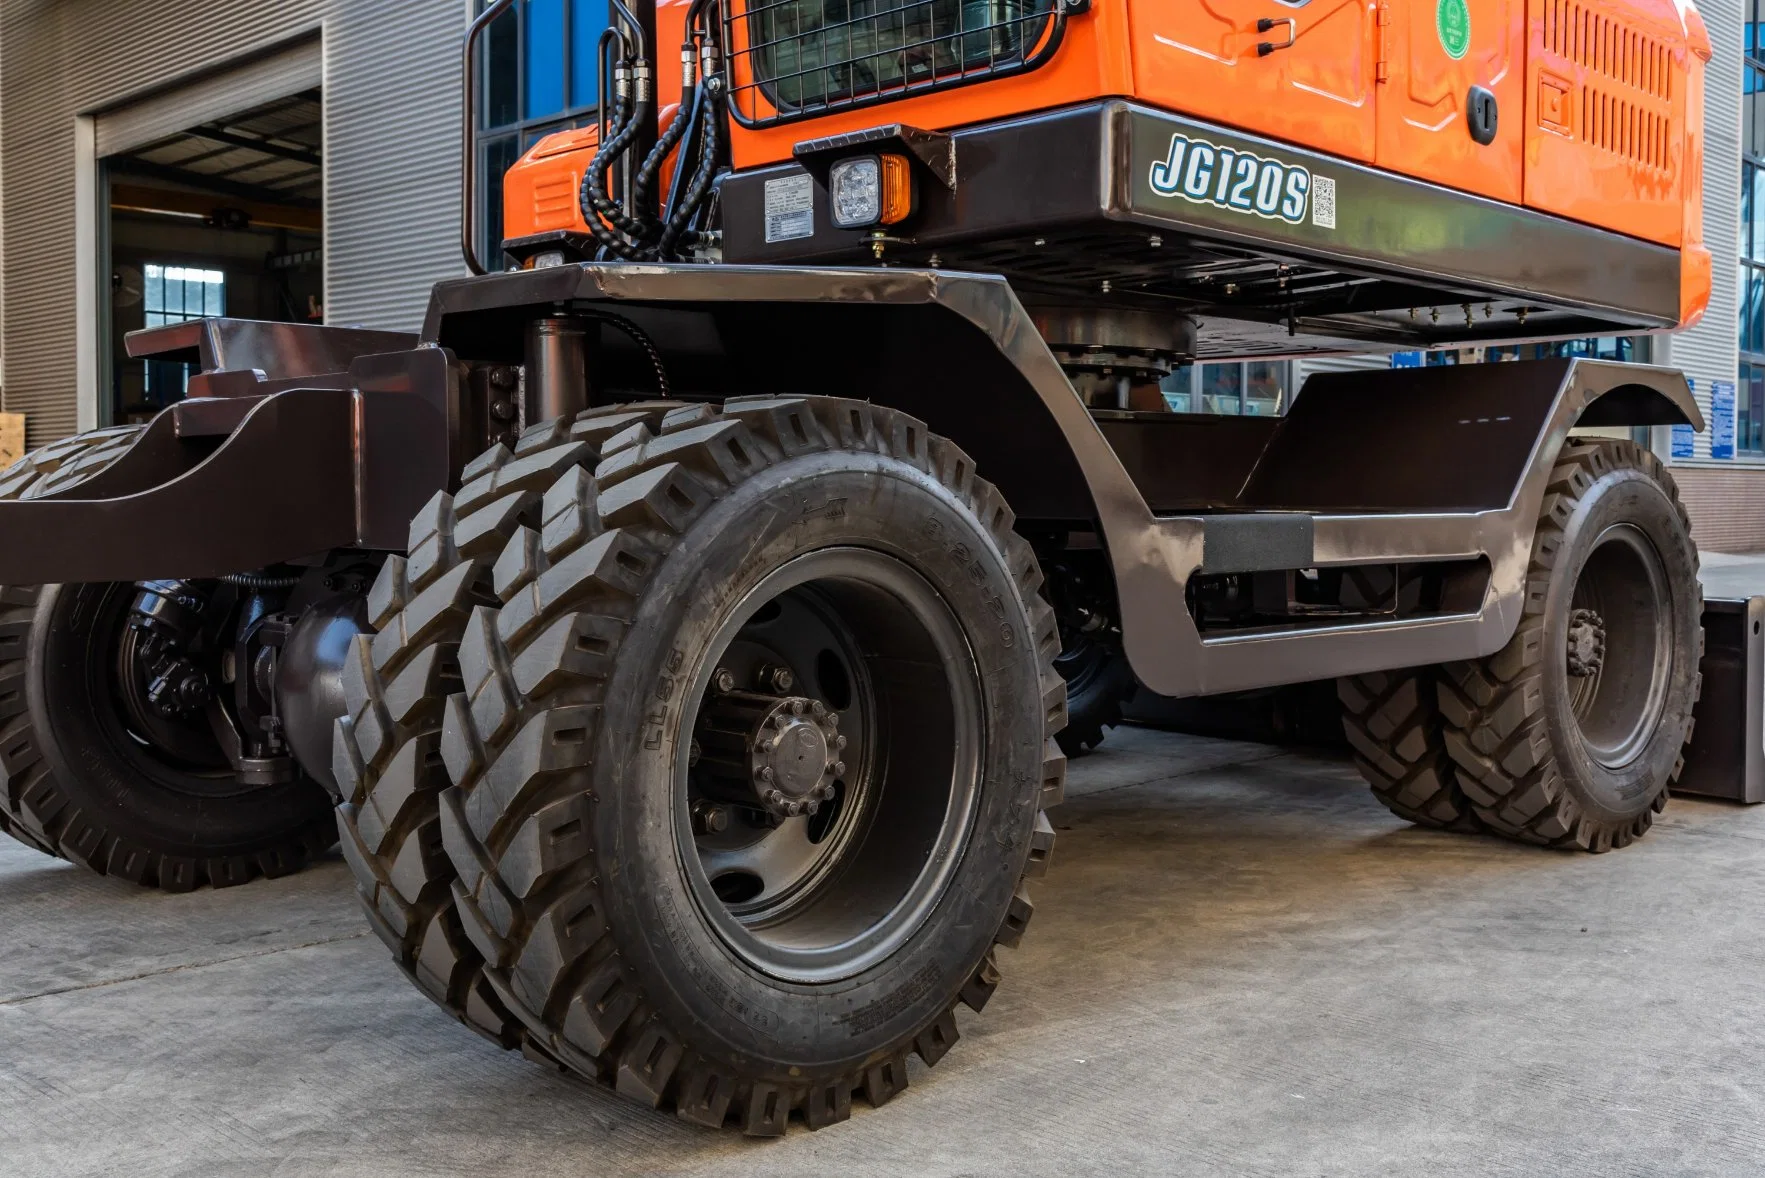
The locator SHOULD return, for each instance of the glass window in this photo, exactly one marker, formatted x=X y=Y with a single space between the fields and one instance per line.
x=177 y=294
x=540 y=74
x=1749 y=393
x=1265 y=389
x=1222 y=388
x=813 y=52
x=502 y=71
x=545 y=58
x=587 y=19
x=1258 y=388
x=1753 y=440
x=174 y=294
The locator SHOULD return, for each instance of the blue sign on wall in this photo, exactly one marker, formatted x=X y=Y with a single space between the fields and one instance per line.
x=1684 y=438
x=1408 y=359
x=1722 y=419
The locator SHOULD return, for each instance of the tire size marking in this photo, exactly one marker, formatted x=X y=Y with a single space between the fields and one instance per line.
x=704 y=975
x=963 y=557
x=832 y=510
x=874 y=1014
x=656 y=721
x=1238 y=181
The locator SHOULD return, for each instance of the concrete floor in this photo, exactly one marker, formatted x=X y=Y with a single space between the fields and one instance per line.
x=1239 y=965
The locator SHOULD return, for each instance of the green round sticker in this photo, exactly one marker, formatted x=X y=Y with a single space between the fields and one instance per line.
x=1452 y=20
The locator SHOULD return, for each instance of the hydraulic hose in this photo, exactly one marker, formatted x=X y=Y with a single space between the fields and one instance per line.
x=598 y=205
x=678 y=126
x=703 y=175
x=642 y=339
x=688 y=145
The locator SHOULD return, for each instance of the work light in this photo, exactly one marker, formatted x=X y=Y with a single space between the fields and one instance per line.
x=869 y=190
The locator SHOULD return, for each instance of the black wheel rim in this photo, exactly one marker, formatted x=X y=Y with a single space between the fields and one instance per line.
x=851 y=884
x=1618 y=646
x=183 y=756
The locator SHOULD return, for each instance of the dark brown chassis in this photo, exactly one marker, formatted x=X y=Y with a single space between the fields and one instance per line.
x=642 y=631
x=1371 y=469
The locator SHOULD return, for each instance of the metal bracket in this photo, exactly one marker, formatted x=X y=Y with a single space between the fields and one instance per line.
x=933 y=149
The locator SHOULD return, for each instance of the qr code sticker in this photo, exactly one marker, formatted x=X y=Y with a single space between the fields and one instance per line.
x=1323 y=202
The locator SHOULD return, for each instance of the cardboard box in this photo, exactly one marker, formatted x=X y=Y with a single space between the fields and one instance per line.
x=12 y=438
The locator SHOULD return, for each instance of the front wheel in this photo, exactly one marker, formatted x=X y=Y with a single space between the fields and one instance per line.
x=752 y=759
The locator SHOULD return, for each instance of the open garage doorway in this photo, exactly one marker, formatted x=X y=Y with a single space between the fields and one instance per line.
x=225 y=216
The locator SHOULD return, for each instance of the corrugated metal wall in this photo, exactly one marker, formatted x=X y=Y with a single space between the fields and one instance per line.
x=1725 y=498
x=1710 y=351
x=392 y=157
x=392 y=97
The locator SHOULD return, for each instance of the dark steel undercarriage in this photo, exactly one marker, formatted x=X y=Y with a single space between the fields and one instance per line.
x=1432 y=470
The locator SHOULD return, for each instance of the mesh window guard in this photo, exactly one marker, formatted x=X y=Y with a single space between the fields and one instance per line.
x=792 y=59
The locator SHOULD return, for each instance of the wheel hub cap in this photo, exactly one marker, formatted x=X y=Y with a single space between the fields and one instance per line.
x=782 y=752
x=795 y=756
x=1587 y=643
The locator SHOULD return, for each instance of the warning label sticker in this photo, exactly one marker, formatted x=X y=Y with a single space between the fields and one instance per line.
x=790 y=208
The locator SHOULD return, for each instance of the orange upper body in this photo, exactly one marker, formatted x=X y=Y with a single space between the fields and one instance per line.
x=1599 y=102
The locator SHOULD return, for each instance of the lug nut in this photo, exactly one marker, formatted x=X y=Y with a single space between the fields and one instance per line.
x=778 y=679
x=839 y=768
x=793 y=808
x=709 y=818
x=766 y=773
x=723 y=680
x=773 y=797
x=839 y=742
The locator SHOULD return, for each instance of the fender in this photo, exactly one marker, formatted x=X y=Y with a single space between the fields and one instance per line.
x=1384 y=467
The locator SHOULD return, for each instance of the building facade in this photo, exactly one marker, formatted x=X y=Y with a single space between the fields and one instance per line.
x=357 y=206
x=299 y=159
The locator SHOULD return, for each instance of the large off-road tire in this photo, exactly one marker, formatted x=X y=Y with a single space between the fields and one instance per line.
x=386 y=751
x=1393 y=724
x=703 y=556
x=76 y=780
x=1571 y=735
x=1098 y=682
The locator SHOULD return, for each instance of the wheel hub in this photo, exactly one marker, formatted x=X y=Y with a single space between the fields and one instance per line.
x=1587 y=643
x=795 y=756
x=781 y=752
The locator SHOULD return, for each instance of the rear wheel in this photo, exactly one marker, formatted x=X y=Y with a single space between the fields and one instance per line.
x=1393 y=724
x=752 y=759
x=114 y=717
x=1098 y=682
x=1571 y=735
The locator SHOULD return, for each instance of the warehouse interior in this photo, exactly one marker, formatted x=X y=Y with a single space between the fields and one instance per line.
x=223 y=218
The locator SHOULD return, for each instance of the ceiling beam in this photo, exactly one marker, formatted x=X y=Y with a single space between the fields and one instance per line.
x=141 y=198
x=221 y=135
x=130 y=165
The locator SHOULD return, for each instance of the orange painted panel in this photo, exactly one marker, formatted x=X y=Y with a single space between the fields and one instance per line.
x=1092 y=62
x=1607 y=96
x=1200 y=57
x=1423 y=120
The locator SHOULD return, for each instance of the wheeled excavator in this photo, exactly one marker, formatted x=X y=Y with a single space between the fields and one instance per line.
x=676 y=631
